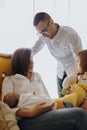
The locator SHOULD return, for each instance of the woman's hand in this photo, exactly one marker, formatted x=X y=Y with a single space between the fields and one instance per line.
x=43 y=107
x=37 y=110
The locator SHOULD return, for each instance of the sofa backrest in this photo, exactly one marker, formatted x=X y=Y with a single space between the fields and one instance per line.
x=5 y=67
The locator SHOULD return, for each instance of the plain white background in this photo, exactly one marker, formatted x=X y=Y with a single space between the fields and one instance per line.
x=16 y=30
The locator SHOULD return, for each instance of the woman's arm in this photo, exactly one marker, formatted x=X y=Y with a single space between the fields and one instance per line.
x=37 y=110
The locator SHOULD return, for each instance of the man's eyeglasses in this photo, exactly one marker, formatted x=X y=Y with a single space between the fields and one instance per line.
x=44 y=32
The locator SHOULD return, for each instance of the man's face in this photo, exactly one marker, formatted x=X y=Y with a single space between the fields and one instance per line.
x=44 y=29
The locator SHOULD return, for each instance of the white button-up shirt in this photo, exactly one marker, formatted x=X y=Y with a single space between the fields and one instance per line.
x=63 y=46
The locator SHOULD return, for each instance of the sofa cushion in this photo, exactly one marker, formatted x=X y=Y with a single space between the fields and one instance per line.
x=8 y=119
x=5 y=67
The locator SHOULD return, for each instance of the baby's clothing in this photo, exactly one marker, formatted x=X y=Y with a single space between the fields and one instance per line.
x=29 y=100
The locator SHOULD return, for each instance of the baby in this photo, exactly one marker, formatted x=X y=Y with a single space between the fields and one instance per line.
x=29 y=101
x=26 y=100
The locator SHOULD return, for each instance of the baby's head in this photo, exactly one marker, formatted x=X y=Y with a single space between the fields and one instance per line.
x=11 y=99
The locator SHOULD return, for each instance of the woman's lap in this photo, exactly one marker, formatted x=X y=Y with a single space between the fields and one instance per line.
x=63 y=119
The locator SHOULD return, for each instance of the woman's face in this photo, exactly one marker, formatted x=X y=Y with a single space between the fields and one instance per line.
x=78 y=65
x=31 y=64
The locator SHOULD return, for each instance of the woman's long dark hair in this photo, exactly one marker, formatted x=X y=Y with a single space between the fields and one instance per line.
x=21 y=61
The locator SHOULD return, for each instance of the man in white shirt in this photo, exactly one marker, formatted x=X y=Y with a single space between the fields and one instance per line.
x=63 y=43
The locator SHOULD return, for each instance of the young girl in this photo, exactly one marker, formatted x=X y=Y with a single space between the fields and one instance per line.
x=80 y=79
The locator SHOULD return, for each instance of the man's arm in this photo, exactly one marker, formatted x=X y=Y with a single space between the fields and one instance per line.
x=38 y=46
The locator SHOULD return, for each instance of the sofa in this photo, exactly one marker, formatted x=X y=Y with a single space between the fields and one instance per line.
x=5 y=68
x=8 y=119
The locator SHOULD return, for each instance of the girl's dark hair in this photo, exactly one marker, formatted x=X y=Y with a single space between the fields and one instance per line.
x=83 y=60
x=41 y=16
x=21 y=61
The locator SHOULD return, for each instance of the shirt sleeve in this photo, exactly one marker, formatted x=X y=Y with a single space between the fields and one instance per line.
x=38 y=46
x=7 y=86
x=76 y=44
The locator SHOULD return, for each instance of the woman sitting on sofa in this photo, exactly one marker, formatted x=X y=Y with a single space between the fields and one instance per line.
x=41 y=117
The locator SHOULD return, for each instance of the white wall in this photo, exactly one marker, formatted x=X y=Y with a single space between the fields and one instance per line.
x=16 y=29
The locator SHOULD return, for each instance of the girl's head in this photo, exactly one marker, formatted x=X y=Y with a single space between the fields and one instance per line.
x=22 y=61
x=81 y=62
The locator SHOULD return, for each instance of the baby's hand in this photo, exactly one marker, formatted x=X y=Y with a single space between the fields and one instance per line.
x=67 y=90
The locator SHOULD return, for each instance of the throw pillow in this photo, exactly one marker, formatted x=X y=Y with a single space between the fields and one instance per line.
x=8 y=119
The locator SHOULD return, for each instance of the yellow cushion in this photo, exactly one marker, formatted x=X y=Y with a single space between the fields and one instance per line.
x=5 y=67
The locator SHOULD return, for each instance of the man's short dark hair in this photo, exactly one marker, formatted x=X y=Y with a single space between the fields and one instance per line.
x=41 y=16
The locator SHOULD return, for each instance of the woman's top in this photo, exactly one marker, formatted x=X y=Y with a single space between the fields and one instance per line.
x=20 y=84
